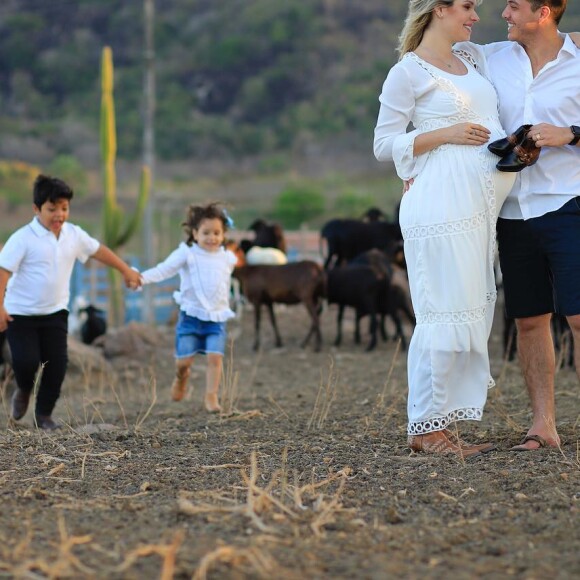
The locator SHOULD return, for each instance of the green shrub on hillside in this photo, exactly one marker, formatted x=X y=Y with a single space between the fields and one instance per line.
x=16 y=180
x=272 y=164
x=233 y=78
x=69 y=169
x=350 y=204
x=297 y=204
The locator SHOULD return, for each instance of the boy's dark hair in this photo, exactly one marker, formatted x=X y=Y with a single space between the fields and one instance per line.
x=558 y=7
x=50 y=189
x=197 y=213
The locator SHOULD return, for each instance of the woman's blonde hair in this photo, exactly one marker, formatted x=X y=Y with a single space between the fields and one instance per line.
x=418 y=19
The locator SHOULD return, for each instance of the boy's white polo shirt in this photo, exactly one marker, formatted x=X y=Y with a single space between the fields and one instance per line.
x=41 y=267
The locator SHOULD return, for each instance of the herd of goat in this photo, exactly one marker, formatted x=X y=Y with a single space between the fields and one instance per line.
x=364 y=269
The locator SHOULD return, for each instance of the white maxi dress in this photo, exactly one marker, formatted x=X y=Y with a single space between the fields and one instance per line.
x=448 y=219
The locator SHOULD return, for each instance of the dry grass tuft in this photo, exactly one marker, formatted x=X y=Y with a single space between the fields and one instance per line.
x=324 y=399
x=239 y=416
x=66 y=564
x=494 y=402
x=229 y=396
x=394 y=394
x=141 y=419
x=279 y=508
x=168 y=553
x=263 y=564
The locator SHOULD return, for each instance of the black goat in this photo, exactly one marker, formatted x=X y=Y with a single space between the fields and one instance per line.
x=268 y=235
x=94 y=326
x=347 y=238
x=373 y=214
x=510 y=345
x=563 y=339
x=360 y=287
x=561 y=335
x=395 y=297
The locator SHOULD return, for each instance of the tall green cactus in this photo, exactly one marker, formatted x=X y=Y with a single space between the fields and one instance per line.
x=116 y=232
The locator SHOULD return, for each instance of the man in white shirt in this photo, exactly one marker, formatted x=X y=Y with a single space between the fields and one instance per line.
x=536 y=77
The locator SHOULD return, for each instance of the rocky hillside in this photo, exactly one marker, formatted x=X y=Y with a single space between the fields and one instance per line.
x=234 y=77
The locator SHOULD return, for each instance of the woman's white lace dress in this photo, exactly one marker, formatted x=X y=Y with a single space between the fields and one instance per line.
x=448 y=219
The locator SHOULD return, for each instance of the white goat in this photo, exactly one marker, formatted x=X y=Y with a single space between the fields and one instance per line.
x=257 y=255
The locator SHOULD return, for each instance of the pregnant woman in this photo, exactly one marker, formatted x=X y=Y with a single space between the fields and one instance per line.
x=448 y=216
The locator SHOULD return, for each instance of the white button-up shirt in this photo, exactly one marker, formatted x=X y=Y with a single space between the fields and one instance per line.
x=204 y=280
x=41 y=266
x=552 y=96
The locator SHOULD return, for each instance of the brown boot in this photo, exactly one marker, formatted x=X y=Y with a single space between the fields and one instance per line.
x=506 y=145
x=179 y=386
x=524 y=154
x=20 y=400
x=437 y=443
x=481 y=447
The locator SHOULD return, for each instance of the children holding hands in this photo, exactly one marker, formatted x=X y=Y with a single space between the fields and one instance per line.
x=36 y=265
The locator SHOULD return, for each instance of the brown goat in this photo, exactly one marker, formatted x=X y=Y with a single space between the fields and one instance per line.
x=285 y=284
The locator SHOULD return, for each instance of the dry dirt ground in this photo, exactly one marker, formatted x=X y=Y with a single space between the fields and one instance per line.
x=308 y=478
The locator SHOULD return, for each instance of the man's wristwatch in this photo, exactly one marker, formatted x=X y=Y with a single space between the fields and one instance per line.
x=576 y=132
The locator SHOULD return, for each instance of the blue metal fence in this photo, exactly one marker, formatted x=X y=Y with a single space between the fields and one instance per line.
x=91 y=281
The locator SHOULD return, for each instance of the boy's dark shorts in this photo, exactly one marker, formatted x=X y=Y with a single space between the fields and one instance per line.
x=540 y=262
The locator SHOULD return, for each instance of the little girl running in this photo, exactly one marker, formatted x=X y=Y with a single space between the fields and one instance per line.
x=205 y=269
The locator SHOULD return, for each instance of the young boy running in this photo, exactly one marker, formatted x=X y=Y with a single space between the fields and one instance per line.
x=36 y=265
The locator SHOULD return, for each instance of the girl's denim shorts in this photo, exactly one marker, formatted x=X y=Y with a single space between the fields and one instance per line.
x=195 y=336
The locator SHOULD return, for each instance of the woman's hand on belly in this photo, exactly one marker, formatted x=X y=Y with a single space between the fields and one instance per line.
x=468 y=134
x=458 y=134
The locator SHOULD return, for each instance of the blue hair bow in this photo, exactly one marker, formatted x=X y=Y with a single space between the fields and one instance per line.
x=229 y=220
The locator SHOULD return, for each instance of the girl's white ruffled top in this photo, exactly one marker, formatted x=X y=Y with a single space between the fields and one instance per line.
x=205 y=280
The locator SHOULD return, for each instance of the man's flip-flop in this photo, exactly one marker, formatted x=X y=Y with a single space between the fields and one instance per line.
x=539 y=440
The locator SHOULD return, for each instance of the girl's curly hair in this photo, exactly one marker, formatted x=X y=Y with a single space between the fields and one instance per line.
x=197 y=213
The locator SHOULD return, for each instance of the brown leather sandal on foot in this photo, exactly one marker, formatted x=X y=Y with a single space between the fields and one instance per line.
x=481 y=447
x=539 y=440
x=437 y=443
